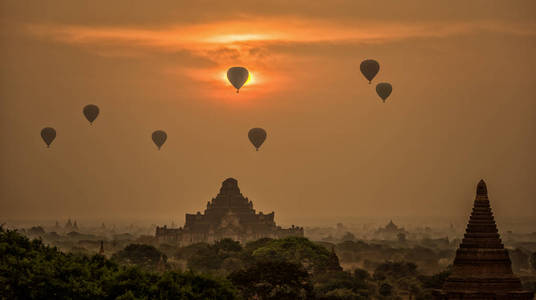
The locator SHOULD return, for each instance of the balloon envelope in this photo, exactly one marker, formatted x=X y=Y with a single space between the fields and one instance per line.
x=48 y=134
x=237 y=76
x=256 y=137
x=159 y=138
x=369 y=68
x=91 y=112
x=384 y=89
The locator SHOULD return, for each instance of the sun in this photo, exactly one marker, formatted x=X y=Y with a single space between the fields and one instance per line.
x=250 y=80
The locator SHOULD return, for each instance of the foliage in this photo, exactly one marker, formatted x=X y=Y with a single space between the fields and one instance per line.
x=341 y=284
x=145 y=256
x=273 y=280
x=435 y=281
x=187 y=252
x=386 y=289
x=395 y=270
x=316 y=259
x=31 y=270
x=370 y=255
x=254 y=245
x=400 y=277
x=289 y=268
x=361 y=274
x=222 y=257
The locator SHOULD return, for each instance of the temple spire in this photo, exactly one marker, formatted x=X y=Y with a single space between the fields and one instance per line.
x=481 y=188
x=482 y=268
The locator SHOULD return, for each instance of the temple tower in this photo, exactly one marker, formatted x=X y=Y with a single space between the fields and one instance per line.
x=228 y=215
x=482 y=268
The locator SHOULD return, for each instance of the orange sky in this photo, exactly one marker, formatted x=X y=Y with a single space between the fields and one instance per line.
x=462 y=107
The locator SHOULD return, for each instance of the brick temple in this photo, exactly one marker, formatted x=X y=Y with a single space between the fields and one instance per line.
x=482 y=268
x=229 y=215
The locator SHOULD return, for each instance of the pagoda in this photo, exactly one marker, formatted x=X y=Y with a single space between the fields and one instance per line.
x=228 y=215
x=101 y=250
x=482 y=268
x=390 y=232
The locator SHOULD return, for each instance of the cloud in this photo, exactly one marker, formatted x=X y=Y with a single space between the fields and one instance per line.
x=262 y=31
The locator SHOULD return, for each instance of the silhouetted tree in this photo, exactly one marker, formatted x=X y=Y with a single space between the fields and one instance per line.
x=435 y=281
x=386 y=289
x=361 y=274
x=222 y=257
x=31 y=270
x=145 y=256
x=340 y=284
x=273 y=280
x=316 y=259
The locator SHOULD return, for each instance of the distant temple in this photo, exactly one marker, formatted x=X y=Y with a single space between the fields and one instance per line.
x=482 y=268
x=229 y=215
x=390 y=232
x=68 y=225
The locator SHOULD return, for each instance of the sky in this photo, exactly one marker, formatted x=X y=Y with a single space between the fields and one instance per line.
x=462 y=107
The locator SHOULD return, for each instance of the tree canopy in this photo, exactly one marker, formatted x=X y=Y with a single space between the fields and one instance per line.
x=32 y=270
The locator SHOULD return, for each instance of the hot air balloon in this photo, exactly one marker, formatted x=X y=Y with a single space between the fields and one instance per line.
x=369 y=68
x=91 y=112
x=257 y=137
x=384 y=89
x=159 y=138
x=48 y=134
x=237 y=76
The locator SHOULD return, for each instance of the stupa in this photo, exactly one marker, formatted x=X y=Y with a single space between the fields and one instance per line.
x=390 y=231
x=482 y=268
x=228 y=215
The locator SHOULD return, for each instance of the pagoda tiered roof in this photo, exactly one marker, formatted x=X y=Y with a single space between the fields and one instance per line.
x=482 y=268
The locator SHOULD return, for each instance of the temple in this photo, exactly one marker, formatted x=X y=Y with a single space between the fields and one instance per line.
x=390 y=232
x=482 y=268
x=229 y=215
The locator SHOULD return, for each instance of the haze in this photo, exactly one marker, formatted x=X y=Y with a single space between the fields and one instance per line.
x=462 y=108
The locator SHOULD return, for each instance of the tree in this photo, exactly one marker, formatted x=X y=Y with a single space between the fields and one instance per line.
x=395 y=270
x=32 y=270
x=213 y=258
x=227 y=245
x=273 y=280
x=361 y=274
x=254 y=245
x=316 y=259
x=340 y=283
x=145 y=256
x=386 y=289
x=435 y=281
x=173 y=285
